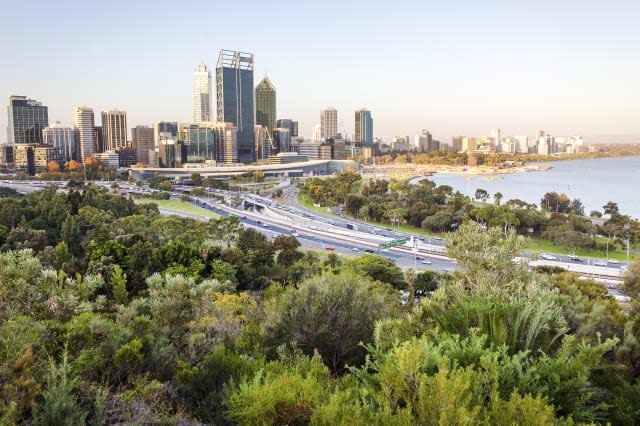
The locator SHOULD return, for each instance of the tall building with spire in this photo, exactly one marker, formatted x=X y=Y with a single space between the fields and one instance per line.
x=234 y=98
x=114 y=129
x=364 y=128
x=328 y=123
x=266 y=104
x=84 y=124
x=202 y=94
x=27 y=119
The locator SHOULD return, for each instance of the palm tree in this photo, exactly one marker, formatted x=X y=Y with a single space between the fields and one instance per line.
x=333 y=261
x=410 y=278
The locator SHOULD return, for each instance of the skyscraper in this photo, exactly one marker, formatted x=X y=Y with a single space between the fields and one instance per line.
x=27 y=118
x=364 y=128
x=234 y=98
x=62 y=138
x=202 y=94
x=83 y=121
x=142 y=139
x=114 y=129
x=266 y=104
x=290 y=124
x=328 y=123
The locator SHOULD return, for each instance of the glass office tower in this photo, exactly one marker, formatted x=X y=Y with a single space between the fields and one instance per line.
x=266 y=104
x=234 y=100
x=27 y=118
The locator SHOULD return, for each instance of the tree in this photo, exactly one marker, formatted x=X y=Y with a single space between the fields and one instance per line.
x=288 y=250
x=331 y=314
x=410 y=278
x=59 y=406
x=611 y=208
x=196 y=179
x=72 y=166
x=481 y=195
x=497 y=197
x=632 y=279
x=53 y=166
x=333 y=261
x=378 y=268
x=118 y=281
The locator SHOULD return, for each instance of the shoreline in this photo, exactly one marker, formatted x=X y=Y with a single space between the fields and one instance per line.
x=430 y=169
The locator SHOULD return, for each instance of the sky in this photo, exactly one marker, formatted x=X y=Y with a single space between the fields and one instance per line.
x=455 y=68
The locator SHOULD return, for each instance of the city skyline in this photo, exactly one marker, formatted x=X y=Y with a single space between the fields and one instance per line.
x=567 y=68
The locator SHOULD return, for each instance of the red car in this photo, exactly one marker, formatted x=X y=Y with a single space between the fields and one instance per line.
x=329 y=248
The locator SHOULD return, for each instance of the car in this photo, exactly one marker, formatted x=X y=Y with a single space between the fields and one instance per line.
x=354 y=249
x=266 y=225
x=574 y=258
x=329 y=248
x=614 y=261
x=243 y=217
x=600 y=263
x=419 y=258
x=426 y=262
x=369 y=250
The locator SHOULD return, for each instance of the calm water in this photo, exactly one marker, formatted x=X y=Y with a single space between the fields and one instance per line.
x=594 y=182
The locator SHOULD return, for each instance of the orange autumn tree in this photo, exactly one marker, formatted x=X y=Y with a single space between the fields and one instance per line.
x=72 y=166
x=53 y=166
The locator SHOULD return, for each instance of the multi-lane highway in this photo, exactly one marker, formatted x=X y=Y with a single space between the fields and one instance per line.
x=333 y=233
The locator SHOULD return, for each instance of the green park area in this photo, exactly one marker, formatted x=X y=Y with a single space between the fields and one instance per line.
x=533 y=244
x=179 y=207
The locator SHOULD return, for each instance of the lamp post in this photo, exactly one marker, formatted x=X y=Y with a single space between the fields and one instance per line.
x=628 y=230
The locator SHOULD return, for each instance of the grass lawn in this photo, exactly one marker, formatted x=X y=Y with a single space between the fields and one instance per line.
x=178 y=206
x=534 y=244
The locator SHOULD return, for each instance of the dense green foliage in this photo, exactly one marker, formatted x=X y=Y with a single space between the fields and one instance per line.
x=113 y=314
x=438 y=209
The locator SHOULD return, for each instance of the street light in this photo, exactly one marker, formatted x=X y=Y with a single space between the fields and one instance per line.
x=626 y=227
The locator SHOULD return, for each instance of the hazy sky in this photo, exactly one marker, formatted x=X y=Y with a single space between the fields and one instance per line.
x=457 y=67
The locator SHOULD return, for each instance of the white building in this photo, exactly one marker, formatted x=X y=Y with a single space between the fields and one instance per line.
x=423 y=141
x=202 y=94
x=84 y=123
x=495 y=134
x=316 y=133
x=522 y=144
x=328 y=123
x=63 y=138
x=114 y=129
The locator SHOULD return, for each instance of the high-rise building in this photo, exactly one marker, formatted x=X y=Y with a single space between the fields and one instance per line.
x=263 y=143
x=142 y=139
x=234 y=99
x=209 y=141
x=266 y=104
x=456 y=143
x=316 y=133
x=364 y=128
x=202 y=94
x=469 y=144
x=495 y=134
x=281 y=139
x=62 y=138
x=27 y=118
x=164 y=128
x=424 y=141
x=287 y=123
x=84 y=124
x=328 y=123
x=114 y=129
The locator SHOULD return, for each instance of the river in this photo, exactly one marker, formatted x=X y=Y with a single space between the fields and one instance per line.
x=594 y=182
